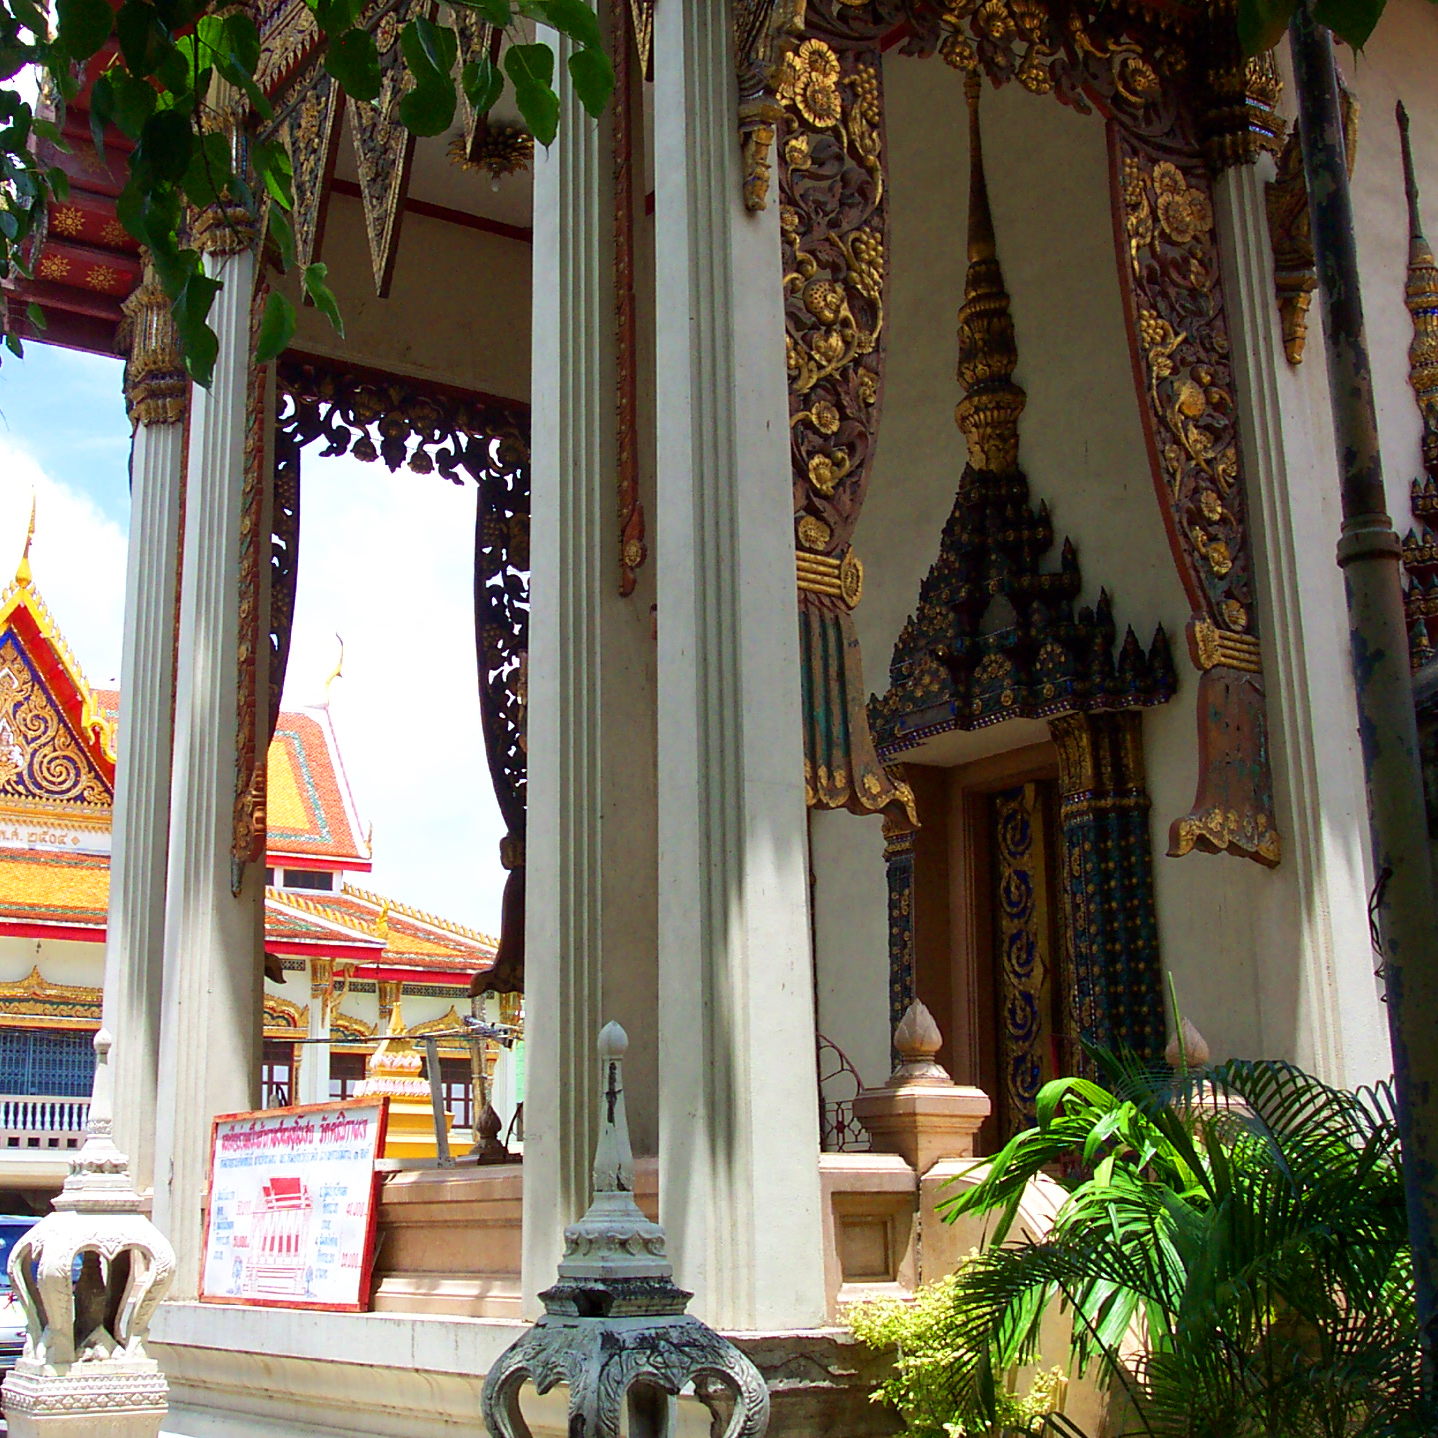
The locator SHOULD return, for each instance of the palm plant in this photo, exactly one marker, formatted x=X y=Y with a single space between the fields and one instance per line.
x=1244 y=1225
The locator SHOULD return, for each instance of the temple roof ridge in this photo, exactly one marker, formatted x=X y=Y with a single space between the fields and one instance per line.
x=313 y=907
x=422 y=916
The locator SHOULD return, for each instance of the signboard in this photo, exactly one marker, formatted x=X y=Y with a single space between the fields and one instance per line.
x=294 y=1198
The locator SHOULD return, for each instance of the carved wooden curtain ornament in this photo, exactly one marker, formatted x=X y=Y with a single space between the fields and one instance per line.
x=995 y=636
x=430 y=429
x=834 y=226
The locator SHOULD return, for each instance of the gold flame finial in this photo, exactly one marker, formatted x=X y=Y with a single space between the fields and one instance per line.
x=989 y=413
x=23 y=575
x=1420 y=294
x=337 y=672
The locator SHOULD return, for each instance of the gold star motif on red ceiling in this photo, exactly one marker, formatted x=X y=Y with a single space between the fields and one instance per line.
x=53 y=267
x=67 y=220
x=102 y=277
x=112 y=232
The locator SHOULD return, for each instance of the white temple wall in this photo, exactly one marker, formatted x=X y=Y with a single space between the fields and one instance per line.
x=61 y=961
x=472 y=335
x=1227 y=926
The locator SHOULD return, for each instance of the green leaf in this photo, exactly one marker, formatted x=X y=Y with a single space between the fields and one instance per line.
x=1261 y=23
x=198 y=341
x=166 y=145
x=437 y=42
x=132 y=102
x=272 y=163
x=531 y=70
x=59 y=183
x=84 y=26
x=283 y=234
x=141 y=39
x=483 y=83
x=428 y=109
x=593 y=78
x=12 y=343
x=242 y=39
x=36 y=316
x=1351 y=20
x=315 y=277
x=353 y=59
x=277 y=328
x=573 y=18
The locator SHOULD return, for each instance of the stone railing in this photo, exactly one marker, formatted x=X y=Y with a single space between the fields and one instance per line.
x=41 y=1121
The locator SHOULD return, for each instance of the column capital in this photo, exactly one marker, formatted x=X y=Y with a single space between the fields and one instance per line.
x=156 y=384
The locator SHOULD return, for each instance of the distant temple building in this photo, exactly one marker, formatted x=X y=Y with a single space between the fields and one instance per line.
x=339 y=961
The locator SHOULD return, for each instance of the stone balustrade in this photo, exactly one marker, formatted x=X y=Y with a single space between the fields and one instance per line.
x=42 y=1121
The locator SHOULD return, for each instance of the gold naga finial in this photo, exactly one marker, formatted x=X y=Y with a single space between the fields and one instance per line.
x=1420 y=294
x=337 y=672
x=989 y=412
x=381 y=924
x=23 y=576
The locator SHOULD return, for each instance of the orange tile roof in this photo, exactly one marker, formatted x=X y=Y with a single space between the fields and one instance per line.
x=412 y=937
x=50 y=888
x=310 y=809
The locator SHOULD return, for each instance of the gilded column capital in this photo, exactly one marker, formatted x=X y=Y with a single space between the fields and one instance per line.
x=1240 y=118
x=764 y=32
x=155 y=381
x=227 y=227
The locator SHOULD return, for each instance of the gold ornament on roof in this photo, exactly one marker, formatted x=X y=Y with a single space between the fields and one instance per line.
x=23 y=576
x=498 y=150
x=1420 y=294
x=989 y=412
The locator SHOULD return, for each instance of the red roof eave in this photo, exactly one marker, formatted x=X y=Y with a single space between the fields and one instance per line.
x=287 y=859
x=458 y=978
x=27 y=929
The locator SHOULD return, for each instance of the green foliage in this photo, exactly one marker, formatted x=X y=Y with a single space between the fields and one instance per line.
x=1251 y=1228
x=928 y=1340
x=170 y=73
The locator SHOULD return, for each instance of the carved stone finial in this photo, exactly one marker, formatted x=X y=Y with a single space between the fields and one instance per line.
x=916 y=1040
x=989 y=413
x=1187 y=1049
x=89 y=1277
x=1420 y=294
x=615 y=1320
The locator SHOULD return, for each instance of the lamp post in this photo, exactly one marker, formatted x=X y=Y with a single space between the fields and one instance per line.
x=1405 y=920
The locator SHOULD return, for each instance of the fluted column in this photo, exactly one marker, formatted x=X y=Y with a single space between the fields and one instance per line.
x=1337 y=1022
x=739 y=1140
x=210 y=1037
x=155 y=391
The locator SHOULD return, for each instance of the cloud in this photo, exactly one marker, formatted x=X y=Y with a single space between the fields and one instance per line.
x=78 y=559
x=386 y=561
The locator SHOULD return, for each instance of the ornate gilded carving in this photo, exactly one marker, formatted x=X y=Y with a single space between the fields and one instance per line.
x=478 y=38
x=1110 y=920
x=307 y=123
x=833 y=223
x=764 y=30
x=156 y=385
x=496 y=150
x=1295 y=273
x=1240 y=118
x=1420 y=295
x=284 y=564
x=284 y=1017
x=632 y=548
x=899 y=877
x=384 y=148
x=250 y=829
x=995 y=637
x=34 y=998
x=432 y=429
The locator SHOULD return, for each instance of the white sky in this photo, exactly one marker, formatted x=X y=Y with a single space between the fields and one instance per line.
x=385 y=560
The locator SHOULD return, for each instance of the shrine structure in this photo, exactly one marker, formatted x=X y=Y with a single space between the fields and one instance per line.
x=811 y=713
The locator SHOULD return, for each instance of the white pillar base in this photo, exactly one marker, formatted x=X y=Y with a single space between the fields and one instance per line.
x=99 y=1398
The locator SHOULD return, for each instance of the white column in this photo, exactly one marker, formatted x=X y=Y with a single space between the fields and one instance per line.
x=739 y=1141
x=155 y=388
x=590 y=831
x=1325 y=999
x=314 y=1057
x=210 y=1036
x=562 y=958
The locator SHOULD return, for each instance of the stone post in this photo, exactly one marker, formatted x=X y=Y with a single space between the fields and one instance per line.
x=88 y=1278
x=210 y=1029
x=155 y=392
x=590 y=832
x=314 y=1084
x=921 y=1113
x=739 y=1136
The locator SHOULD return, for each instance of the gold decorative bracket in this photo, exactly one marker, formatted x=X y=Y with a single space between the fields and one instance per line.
x=764 y=33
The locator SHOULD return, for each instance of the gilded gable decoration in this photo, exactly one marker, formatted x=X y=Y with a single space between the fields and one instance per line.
x=833 y=223
x=1420 y=545
x=384 y=148
x=1295 y=270
x=284 y=1017
x=764 y=32
x=434 y=429
x=307 y=123
x=34 y=1002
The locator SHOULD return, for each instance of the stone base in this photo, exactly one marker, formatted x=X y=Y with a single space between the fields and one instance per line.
x=105 y=1399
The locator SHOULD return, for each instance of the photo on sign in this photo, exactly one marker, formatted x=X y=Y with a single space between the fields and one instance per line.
x=294 y=1199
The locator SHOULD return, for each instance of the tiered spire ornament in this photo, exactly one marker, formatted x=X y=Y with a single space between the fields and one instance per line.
x=85 y=1369
x=994 y=637
x=614 y=1327
x=1420 y=545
